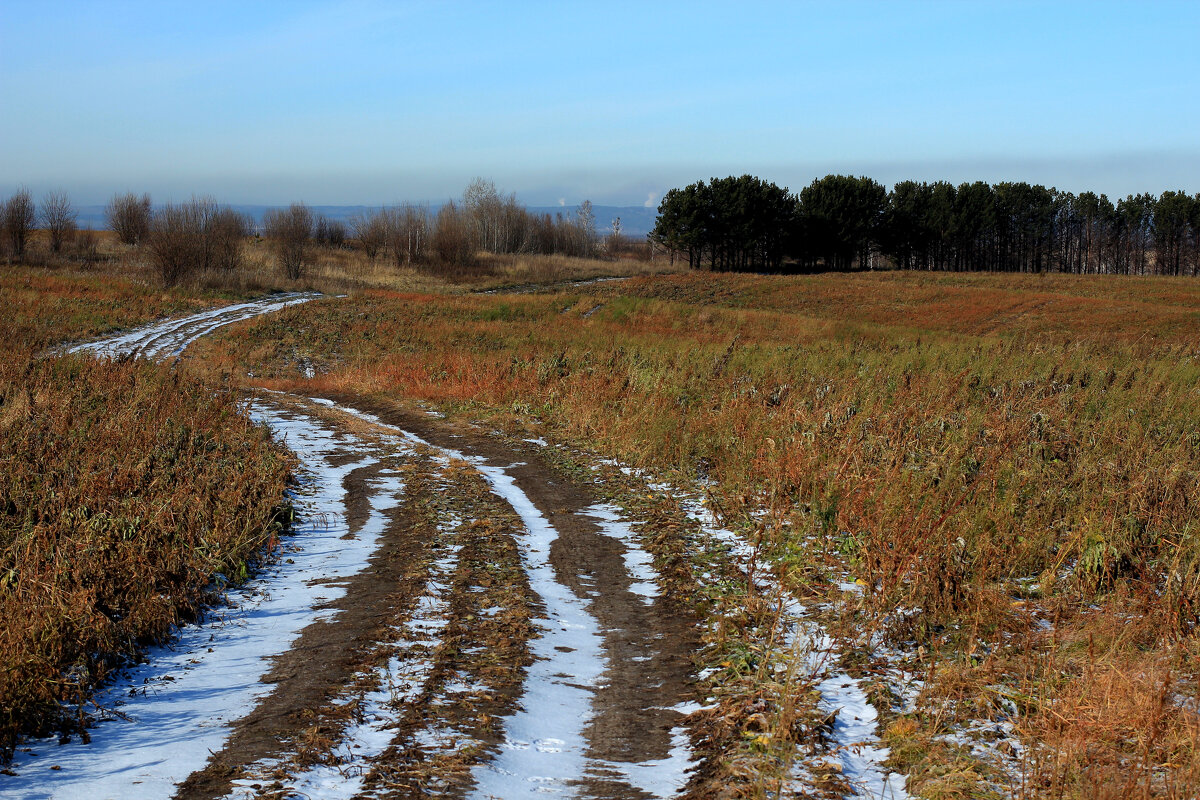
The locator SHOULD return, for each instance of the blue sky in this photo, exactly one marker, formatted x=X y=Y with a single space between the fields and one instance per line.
x=372 y=102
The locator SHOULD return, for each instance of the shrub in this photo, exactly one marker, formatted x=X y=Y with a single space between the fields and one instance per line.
x=129 y=217
x=17 y=222
x=290 y=231
x=329 y=232
x=453 y=241
x=195 y=236
x=371 y=231
x=226 y=231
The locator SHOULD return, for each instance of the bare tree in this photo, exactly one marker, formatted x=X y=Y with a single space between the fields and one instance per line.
x=180 y=239
x=584 y=243
x=500 y=224
x=58 y=219
x=409 y=234
x=371 y=231
x=483 y=211
x=129 y=217
x=615 y=243
x=16 y=223
x=290 y=231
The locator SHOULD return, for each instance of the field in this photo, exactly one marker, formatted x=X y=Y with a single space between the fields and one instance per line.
x=977 y=491
x=116 y=505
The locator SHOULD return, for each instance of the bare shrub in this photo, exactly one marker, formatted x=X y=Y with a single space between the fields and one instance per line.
x=290 y=231
x=129 y=217
x=178 y=241
x=16 y=223
x=337 y=233
x=453 y=241
x=328 y=232
x=226 y=231
x=409 y=234
x=58 y=219
x=196 y=236
x=371 y=231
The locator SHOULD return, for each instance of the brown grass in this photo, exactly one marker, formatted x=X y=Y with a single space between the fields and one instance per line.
x=982 y=451
x=124 y=488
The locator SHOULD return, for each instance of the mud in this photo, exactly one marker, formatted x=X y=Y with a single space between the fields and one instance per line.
x=649 y=647
x=329 y=652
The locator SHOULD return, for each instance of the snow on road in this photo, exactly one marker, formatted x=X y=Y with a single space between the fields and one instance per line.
x=168 y=713
x=162 y=718
x=168 y=339
x=545 y=752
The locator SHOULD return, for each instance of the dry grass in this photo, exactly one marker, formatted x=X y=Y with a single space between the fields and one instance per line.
x=982 y=451
x=124 y=488
x=1011 y=461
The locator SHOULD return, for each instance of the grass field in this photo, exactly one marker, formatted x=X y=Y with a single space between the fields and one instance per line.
x=1006 y=466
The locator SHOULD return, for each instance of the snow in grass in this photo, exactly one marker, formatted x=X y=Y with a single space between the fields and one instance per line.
x=177 y=706
x=855 y=741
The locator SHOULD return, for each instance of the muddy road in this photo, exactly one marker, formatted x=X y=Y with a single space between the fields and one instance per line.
x=451 y=616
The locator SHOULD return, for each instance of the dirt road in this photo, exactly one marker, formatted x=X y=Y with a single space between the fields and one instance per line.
x=452 y=616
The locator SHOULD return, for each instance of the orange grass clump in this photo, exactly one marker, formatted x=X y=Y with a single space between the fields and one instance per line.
x=124 y=488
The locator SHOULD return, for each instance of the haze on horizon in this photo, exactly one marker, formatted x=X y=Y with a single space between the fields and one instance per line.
x=373 y=102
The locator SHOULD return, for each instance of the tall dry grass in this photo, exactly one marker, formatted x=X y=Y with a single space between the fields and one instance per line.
x=124 y=489
x=986 y=454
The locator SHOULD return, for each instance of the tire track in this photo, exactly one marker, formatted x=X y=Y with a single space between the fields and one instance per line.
x=381 y=677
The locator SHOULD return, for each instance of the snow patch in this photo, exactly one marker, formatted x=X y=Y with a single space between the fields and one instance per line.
x=176 y=707
x=171 y=337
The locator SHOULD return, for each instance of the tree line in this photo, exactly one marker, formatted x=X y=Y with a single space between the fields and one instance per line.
x=201 y=236
x=845 y=222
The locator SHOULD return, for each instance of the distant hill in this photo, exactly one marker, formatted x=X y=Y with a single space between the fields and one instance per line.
x=636 y=221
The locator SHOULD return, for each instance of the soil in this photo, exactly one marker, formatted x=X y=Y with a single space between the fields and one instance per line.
x=649 y=647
